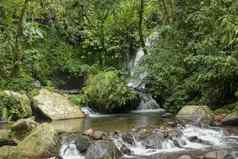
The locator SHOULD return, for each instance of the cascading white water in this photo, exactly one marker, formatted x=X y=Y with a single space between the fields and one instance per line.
x=90 y=113
x=136 y=80
x=148 y=104
x=70 y=151
x=207 y=140
x=186 y=140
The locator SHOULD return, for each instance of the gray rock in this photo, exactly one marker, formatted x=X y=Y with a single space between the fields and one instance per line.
x=56 y=106
x=153 y=141
x=125 y=150
x=103 y=150
x=128 y=138
x=82 y=143
x=229 y=156
x=196 y=114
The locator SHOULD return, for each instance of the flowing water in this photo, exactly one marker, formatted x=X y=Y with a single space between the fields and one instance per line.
x=137 y=75
x=148 y=136
x=121 y=122
x=153 y=137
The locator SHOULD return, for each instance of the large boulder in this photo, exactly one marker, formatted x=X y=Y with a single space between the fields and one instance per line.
x=102 y=150
x=14 y=105
x=22 y=128
x=56 y=106
x=195 y=113
x=41 y=143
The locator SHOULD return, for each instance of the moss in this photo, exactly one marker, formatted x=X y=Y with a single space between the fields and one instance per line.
x=77 y=100
x=42 y=142
x=106 y=92
x=228 y=109
x=14 y=105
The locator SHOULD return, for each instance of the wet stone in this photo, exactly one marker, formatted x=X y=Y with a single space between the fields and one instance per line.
x=125 y=150
x=128 y=138
x=153 y=141
x=185 y=157
x=103 y=150
x=97 y=135
x=215 y=155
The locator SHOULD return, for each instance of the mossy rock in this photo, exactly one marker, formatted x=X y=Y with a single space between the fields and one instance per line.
x=23 y=128
x=41 y=143
x=14 y=105
x=195 y=113
x=106 y=92
x=55 y=106
x=9 y=152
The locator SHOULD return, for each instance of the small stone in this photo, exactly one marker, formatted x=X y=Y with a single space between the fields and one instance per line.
x=89 y=132
x=97 y=135
x=185 y=157
x=128 y=138
x=172 y=124
x=125 y=150
x=219 y=118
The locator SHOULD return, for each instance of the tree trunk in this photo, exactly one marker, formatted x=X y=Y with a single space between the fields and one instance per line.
x=18 y=48
x=141 y=35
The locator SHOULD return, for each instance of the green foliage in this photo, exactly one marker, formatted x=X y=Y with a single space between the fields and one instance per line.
x=23 y=82
x=195 y=61
x=78 y=100
x=105 y=92
x=11 y=108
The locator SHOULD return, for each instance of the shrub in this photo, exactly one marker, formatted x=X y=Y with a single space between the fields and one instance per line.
x=14 y=106
x=106 y=92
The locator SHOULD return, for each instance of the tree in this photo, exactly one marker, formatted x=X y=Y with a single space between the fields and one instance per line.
x=141 y=16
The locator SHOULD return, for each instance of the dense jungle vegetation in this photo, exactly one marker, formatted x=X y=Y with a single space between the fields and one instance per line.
x=70 y=44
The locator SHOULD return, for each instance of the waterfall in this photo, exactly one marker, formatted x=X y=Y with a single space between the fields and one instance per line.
x=138 y=75
x=136 y=82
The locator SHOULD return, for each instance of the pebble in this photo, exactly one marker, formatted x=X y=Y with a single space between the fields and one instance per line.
x=185 y=157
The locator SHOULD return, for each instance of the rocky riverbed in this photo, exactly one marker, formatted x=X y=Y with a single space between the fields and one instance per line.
x=29 y=140
x=149 y=143
x=139 y=135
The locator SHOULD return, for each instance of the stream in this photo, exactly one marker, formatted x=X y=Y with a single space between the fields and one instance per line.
x=148 y=132
x=148 y=136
